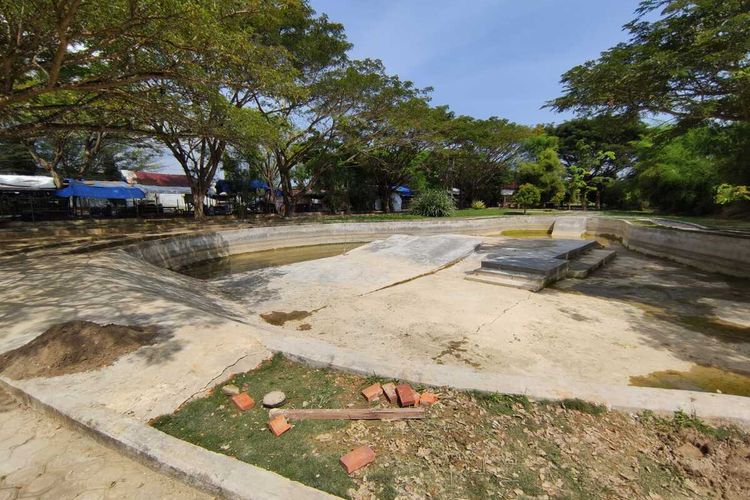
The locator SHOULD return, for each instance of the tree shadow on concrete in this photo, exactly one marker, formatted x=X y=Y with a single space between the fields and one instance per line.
x=679 y=309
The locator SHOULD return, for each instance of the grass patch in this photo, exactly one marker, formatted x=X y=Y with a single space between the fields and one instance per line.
x=681 y=420
x=502 y=404
x=580 y=405
x=215 y=424
x=471 y=445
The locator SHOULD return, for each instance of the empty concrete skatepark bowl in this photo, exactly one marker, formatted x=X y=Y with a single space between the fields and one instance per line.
x=670 y=311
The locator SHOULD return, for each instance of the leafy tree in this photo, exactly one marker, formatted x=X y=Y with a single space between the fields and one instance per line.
x=678 y=175
x=393 y=137
x=600 y=133
x=547 y=174
x=528 y=196
x=477 y=155
x=692 y=63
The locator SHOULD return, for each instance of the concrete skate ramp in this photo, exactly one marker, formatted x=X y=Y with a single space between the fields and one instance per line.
x=314 y=284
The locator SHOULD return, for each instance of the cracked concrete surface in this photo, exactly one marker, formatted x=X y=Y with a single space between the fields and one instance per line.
x=595 y=330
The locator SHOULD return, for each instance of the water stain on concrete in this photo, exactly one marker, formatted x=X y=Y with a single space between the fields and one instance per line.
x=717 y=328
x=279 y=318
x=527 y=233
x=252 y=261
x=457 y=350
x=703 y=378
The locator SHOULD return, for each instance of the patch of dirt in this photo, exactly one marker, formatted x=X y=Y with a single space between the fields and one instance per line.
x=279 y=318
x=304 y=327
x=74 y=347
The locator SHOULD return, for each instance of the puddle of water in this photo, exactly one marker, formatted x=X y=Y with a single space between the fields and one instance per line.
x=701 y=378
x=251 y=261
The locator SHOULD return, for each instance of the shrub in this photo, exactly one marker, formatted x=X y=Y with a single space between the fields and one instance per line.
x=527 y=196
x=478 y=205
x=433 y=203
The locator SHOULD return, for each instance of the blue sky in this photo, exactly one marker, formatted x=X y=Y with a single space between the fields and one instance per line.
x=483 y=57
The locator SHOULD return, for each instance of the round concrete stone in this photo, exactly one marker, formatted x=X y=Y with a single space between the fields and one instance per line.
x=230 y=390
x=274 y=399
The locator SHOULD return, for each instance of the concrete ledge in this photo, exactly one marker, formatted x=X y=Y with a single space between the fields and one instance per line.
x=711 y=251
x=707 y=250
x=719 y=407
x=214 y=473
x=173 y=253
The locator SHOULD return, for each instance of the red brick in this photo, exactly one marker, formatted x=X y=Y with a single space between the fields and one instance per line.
x=243 y=401
x=428 y=398
x=389 y=390
x=357 y=458
x=373 y=392
x=406 y=395
x=279 y=425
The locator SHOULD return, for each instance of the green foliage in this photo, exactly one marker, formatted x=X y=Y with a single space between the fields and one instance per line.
x=727 y=193
x=676 y=175
x=547 y=174
x=478 y=205
x=691 y=62
x=433 y=203
x=528 y=196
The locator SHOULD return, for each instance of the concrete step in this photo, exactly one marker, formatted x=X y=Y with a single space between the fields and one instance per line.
x=522 y=281
x=589 y=262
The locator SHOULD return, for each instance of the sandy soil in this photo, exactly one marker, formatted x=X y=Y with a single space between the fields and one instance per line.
x=73 y=347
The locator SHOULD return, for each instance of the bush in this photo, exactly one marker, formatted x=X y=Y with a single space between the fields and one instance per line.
x=527 y=196
x=478 y=205
x=433 y=203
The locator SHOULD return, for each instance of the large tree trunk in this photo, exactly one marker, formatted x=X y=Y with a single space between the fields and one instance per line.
x=584 y=199
x=198 y=205
x=286 y=191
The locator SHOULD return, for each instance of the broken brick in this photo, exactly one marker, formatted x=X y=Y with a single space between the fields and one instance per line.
x=357 y=458
x=406 y=395
x=373 y=392
x=279 y=425
x=243 y=401
x=428 y=398
x=389 y=390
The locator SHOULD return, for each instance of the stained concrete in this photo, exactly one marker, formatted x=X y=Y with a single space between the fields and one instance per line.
x=561 y=343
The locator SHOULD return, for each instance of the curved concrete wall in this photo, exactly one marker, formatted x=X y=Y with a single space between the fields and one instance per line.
x=710 y=251
x=174 y=253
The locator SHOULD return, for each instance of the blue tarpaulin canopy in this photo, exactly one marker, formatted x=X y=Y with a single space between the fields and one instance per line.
x=404 y=191
x=102 y=190
x=226 y=186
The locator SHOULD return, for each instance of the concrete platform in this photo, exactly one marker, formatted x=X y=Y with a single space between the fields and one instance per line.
x=530 y=264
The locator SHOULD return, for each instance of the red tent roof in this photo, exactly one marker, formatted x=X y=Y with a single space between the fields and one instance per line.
x=152 y=179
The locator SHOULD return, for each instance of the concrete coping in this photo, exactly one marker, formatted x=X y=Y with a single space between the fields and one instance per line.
x=212 y=472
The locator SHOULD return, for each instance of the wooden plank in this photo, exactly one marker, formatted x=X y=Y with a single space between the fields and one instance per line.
x=350 y=413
